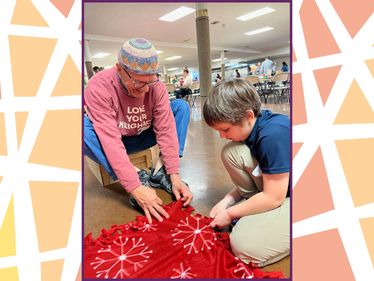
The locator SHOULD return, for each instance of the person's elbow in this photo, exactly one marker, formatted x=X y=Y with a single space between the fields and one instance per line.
x=276 y=199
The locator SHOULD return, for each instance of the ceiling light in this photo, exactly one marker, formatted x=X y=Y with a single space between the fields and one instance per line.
x=216 y=60
x=260 y=30
x=173 y=58
x=177 y=14
x=159 y=51
x=100 y=55
x=255 y=14
x=172 y=69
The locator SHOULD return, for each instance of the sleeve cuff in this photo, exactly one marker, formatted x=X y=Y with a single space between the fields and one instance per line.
x=130 y=187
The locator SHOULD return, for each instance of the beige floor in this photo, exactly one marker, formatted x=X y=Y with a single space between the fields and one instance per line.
x=201 y=168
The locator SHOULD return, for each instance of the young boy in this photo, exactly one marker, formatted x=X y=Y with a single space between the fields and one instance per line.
x=258 y=162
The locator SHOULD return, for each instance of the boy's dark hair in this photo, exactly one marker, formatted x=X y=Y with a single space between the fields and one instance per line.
x=229 y=102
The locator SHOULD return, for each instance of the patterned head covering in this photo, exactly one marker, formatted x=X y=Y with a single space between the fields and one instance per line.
x=138 y=55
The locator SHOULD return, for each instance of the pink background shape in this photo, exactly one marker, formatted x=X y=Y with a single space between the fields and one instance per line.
x=311 y=195
x=320 y=257
x=353 y=13
x=318 y=37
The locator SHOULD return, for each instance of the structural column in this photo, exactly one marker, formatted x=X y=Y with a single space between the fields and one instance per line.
x=223 y=64
x=166 y=77
x=88 y=59
x=203 y=49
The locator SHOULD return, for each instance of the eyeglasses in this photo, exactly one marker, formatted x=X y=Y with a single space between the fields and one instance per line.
x=139 y=84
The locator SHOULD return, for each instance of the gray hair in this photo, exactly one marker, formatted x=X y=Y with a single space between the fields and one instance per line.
x=229 y=102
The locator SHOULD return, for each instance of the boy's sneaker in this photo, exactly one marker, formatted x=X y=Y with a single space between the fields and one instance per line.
x=232 y=224
x=161 y=180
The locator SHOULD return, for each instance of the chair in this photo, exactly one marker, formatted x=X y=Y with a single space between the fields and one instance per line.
x=253 y=79
x=195 y=90
x=279 y=86
x=256 y=82
x=143 y=160
x=170 y=87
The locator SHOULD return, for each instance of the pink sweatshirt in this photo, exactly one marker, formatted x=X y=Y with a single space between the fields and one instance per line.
x=114 y=114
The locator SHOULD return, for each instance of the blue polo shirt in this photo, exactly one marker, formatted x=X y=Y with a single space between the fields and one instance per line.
x=269 y=142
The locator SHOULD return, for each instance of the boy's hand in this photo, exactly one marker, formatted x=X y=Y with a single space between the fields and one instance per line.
x=221 y=205
x=221 y=219
x=147 y=199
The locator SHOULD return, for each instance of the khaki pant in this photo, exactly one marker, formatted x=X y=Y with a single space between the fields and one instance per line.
x=261 y=238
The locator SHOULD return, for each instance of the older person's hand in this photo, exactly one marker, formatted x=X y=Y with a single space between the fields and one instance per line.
x=147 y=199
x=181 y=189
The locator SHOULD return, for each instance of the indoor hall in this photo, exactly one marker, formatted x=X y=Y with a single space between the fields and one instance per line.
x=200 y=166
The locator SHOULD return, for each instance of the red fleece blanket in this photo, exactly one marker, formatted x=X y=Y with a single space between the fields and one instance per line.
x=183 y=246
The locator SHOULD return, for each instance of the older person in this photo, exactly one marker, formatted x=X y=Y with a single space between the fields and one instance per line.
x=128 y=111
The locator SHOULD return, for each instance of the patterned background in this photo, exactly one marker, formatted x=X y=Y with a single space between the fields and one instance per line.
x=40 y=140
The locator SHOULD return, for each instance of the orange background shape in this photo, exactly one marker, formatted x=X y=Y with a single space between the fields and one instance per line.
x=25 y=13
x=370 y=64
x=367 y=226
x=29 y=57
x=355 y=108
x=69 y=82
x=52 y=270
x=21 y=118
x=357 y=159
x=59 y=141
x=53 y=204
x=3 y=145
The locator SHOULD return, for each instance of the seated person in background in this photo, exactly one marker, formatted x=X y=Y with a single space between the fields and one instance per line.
x=185 y=87
x=174 y=80
x=274 y=69
x=258 y=69
x=128 y=111
x=218 y=78
x=159 y=77
x=284 y=67
x=258 y=162
x=97 y=69
x=237 y=73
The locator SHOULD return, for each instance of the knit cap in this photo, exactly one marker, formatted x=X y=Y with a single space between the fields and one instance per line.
x=138 y=55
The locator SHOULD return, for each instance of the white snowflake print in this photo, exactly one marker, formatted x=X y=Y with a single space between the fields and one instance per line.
x=135 y=255
x=243 y=271
x=148 y=227
x=183 y=273
x=195 y=238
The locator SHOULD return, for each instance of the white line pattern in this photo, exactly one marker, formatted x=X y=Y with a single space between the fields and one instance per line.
x=321 y=132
